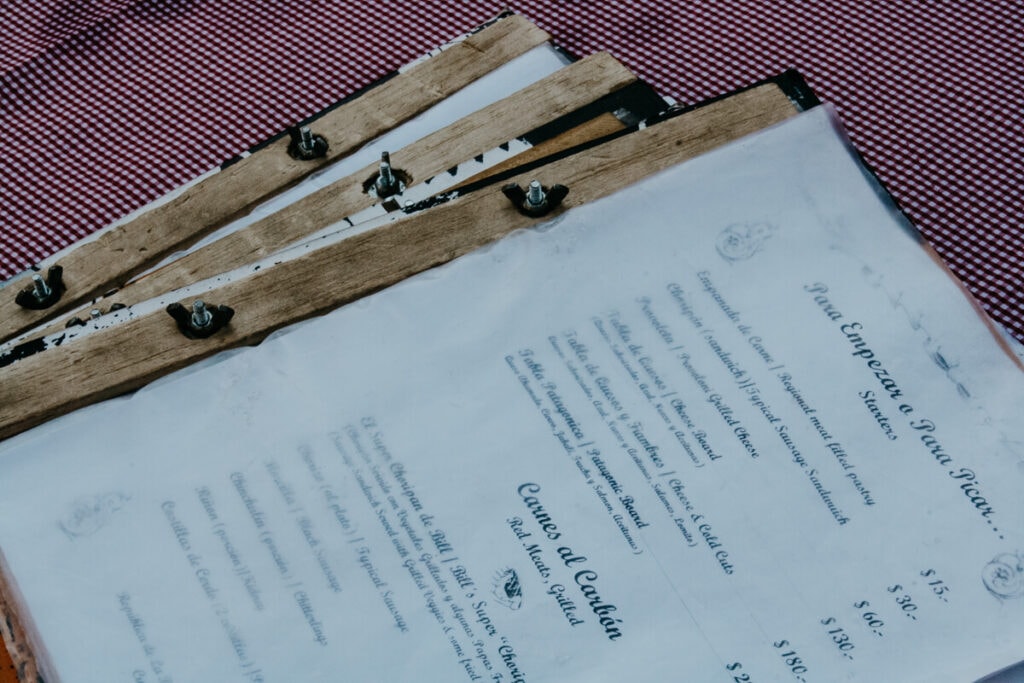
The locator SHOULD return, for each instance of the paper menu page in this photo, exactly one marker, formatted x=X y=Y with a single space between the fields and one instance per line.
x=728 y=424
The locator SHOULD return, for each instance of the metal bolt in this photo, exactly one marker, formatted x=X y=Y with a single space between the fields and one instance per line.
x=201 y=322
x=535 y=201
x=386 y=183
x=95 y=313
x=306 y=143
x=535 y=194
x=200 y=316
x=44 y=292
x=40 y=290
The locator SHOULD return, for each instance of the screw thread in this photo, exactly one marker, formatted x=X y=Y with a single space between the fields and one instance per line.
x=387 y=177
x=306 y=139
x=40 y=289
x=200 y=316
x=535 y=194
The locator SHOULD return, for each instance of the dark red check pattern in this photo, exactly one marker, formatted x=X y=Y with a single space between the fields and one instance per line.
x=107 y=104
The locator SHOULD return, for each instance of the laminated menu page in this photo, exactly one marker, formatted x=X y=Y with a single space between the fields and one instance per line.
x=733 y=423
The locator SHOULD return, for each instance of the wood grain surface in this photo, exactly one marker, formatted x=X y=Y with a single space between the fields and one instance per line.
x=111 y=259
x=129 y=355
x=565 y=91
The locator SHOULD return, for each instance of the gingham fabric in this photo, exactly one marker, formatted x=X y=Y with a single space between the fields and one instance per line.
x=107 y=104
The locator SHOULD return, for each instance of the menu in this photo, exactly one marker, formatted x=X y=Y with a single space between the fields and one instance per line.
x=730 y=424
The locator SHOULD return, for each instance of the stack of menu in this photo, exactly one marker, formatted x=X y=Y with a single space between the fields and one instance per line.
x=732 y=422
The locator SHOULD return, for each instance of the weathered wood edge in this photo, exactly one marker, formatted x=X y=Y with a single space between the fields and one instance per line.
x=598 y=127
x=16 y=640
x=130 y=355
x=109 y=260
x=567 y=90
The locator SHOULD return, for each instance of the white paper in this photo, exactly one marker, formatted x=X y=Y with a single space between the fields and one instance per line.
x=730 y=424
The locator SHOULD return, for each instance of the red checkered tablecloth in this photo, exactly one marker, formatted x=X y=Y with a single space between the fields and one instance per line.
x=107 y=104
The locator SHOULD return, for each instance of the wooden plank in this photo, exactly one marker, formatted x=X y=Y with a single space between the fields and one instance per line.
x=124 y=357
x=110 y=260
x=17 y=661
x=565 y=91
x=598 y=127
